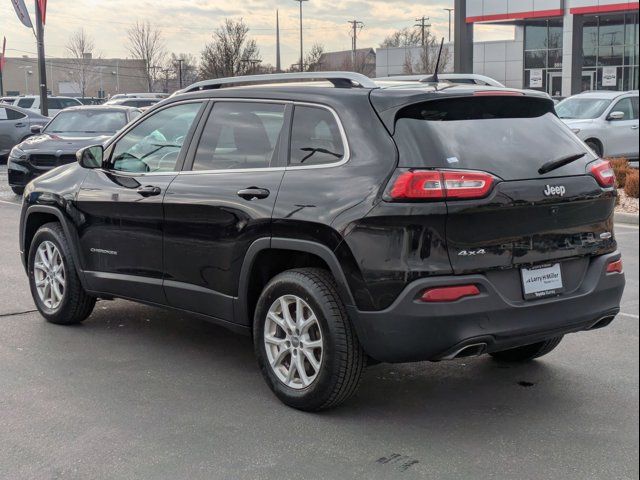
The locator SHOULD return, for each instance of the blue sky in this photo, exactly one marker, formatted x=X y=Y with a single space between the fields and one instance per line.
x=187 y=24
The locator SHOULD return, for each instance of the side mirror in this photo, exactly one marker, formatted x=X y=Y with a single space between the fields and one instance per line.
x=616 y=115
x=90 y=157
x=36 y=129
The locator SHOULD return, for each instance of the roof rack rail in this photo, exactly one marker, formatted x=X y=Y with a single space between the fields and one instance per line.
x=338 y=79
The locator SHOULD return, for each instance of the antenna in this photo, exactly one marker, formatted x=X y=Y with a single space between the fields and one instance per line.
x=435 y=73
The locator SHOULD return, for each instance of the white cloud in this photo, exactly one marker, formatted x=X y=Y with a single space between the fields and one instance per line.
x=187 y=24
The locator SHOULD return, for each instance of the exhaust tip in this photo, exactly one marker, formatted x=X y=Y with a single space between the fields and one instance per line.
x=473 y=350
x=603 y=322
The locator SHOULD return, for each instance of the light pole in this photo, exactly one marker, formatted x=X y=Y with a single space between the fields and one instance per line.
x=301 y=49
x=27 y=72
x=449 y=10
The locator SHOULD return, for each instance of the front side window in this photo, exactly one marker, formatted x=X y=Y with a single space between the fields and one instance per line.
x=155 y=143
x=315 y=137
x=240 y=135
x=625 y=106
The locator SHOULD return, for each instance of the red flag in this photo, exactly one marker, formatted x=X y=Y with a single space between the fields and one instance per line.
x=2 y=57
x=42 y=5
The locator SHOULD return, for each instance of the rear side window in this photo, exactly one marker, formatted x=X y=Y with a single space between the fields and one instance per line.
x=11 y=114
x=315 y=137
x=240 y=135
x=511 y=137
x=26 y=102
x=54 y=104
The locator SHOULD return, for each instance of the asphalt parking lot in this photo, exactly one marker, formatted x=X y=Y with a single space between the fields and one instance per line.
x=137 y=392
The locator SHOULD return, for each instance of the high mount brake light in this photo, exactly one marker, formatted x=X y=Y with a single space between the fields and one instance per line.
x=497 y=93
x=441 y=184
x=603 y=173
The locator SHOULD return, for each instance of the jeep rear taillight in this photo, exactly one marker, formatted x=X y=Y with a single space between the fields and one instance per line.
x=441 y=184
x=603 y=173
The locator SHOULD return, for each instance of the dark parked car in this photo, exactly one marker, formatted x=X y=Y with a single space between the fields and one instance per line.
x=58 y=142
x=337 y=225
x=15 y=126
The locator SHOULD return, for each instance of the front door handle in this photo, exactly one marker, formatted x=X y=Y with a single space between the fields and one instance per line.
x=253 y=193
x=634 y=127
x=149 y=191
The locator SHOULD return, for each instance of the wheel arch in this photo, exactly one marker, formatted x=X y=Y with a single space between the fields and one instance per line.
x=38 y=215
x=275 y=255
x=598 y=142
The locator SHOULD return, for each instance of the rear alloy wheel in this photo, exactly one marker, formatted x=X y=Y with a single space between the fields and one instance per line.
x=55 y=286
x=293 y=342
x=306 y=347
x=527 y=352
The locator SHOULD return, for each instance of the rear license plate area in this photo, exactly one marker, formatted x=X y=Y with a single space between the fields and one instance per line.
x=542 y=281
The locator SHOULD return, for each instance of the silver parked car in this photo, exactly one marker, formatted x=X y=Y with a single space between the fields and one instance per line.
x=15 y=126
x=605 y=120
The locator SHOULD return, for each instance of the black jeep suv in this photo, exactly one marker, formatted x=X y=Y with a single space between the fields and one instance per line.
x=339 y=222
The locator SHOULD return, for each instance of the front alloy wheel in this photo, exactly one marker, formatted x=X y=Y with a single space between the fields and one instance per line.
x=293 y=341
x=49 y=275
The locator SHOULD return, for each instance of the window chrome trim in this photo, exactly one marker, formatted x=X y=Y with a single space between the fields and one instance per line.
x=345 y=158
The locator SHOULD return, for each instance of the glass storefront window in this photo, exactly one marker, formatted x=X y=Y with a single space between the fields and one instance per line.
x=555 y=59
x=555 y=34
x=611 y=31
x=535 y=59
x=612 y=41
x=535 y=37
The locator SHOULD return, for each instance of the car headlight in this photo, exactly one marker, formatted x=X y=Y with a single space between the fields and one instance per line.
x=575 y=130
x=17 y=154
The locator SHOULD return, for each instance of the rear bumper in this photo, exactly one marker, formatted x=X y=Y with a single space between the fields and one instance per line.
x=410 y=330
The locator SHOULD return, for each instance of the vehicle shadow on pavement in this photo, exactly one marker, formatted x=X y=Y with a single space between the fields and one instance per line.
x=418 y=391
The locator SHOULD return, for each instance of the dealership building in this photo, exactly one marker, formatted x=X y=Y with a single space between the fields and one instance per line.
x=562 y=47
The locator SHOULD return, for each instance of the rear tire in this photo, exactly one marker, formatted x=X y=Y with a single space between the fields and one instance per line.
x=528 y=352
x=18 y=190
x=301 y=322
x=55 y=286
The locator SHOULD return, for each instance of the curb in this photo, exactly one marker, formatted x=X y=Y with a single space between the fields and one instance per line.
x=628 y=218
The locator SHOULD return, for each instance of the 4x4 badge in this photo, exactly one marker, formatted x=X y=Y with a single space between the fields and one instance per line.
x=472 y=253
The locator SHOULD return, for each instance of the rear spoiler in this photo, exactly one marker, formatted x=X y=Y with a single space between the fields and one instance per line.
x=388 y=103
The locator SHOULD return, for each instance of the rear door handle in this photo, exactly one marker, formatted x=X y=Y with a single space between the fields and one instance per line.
x=149 y=191
x=20 y=125
x=253 y=193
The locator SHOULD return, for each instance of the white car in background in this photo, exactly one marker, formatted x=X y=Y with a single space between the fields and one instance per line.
x=54 y=104
x=605 y=120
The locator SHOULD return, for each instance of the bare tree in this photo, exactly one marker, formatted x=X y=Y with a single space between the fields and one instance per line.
x=362 y=62
x=406 y=37
x=82 y=72
x=146 y=44
x=230 y=52
x=313 y=60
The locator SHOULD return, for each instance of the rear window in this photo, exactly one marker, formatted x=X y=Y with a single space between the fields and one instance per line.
x=26 y=102
x=511 y=137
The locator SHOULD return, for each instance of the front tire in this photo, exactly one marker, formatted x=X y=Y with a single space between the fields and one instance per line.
x=306 y=347
x=55 y=286
x=528 y=352
x=595 y=146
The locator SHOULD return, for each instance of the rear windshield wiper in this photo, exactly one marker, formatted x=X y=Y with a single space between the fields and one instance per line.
x=561 y=162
